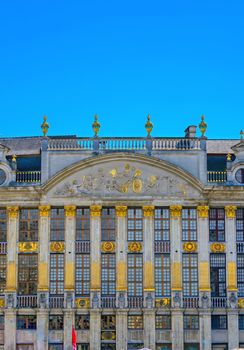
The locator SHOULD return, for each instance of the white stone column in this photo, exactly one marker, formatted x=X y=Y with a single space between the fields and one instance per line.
x=95 y=329
x=149 y=329
x=68 y=322
x=9 y=330
x=176 y=277
x=121 y=329
x=42 y=330
x=205 y=329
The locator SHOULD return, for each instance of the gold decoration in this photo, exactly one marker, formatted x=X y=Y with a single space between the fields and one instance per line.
x=121 y=211
x=148 y=210
x=108 y=247
x=108 y=335
x=175 y=211
x=44 y=210
x=241 y=303
x=190 y=247
x=2 y=303
x=149 y=126
x=70 y=211
x=176 y=276
x=230 y=211
x=163 y=302
x=228 y=157
x=203 y=126
x=203 y=211
x=137 y=185
x=204 y=280
x=95 y=272
x=13 y=212
x=45 y=126
x=11 y=283
x=14 y=158
x=82 y=303
x=217 y=247
x=232 y=282
x=121 y=280
x=95 y=210
x=57 y=247
x=135 y=247
x=96 y=125
x=28 y=247
x=43 y=276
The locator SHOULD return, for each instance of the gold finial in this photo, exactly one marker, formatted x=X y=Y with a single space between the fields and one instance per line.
x=96 y=125
x=203 y=126
x=149 y=126
x=228 y=157
x=45 y=126
x=14 y=158
x=241 y=135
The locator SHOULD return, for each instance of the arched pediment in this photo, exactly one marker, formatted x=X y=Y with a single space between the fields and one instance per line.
x=123 y=175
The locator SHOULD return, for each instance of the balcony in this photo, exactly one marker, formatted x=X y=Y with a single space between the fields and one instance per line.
x=162 y=247
x=190 y=302
x=31 y=177
x=82 y=247
x=3 y=247
x=217 y=176
x=135 y=302
x=26 y=301
x=108 y=302
x=218 y=302
x=56 y=302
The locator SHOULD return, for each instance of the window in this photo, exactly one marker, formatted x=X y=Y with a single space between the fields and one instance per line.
x=240 y=274
x=217 y=225
x=217 y=275
x=55 y=347
x=108 y=274
x=56 y=322
x=82 y=274
x=3 y=225
x=108 y=322
x=56 y=273
x=191 y=322
x=135 y=275
x=3 y=270
x=1 y=322
x=135 y=224
x=57 y=224
x=82 y=322
x=163 y=322
x=83 y=224
x=135 y=322
x=107 y=346
x=162 y=275
x=134 y=346
x=108 y=224
x=190 y=275
x=83 y=346
x=189 y=224
x=219 y=347
x=28 y=225
x=240 y=225
x=26 y=322
x=25 y=347
x=241 y=322
x=161 y=224
x=219 y=322
x=27 y=274
x=191 y=346
x=163 y=347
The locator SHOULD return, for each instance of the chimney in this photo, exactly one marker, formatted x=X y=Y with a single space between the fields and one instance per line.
x=190 y=132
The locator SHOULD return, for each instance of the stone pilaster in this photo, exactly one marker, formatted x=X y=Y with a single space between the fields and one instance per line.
x=68 y=322
x=233 y=329
x=149 y=329
x=121 y=257
x=42 y=330
x=121 y=327
x=205 y=329
x=177 y=330
x=10 y=330
x=95 y=329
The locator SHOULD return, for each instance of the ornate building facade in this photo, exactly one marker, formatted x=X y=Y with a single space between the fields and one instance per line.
x=137 y=242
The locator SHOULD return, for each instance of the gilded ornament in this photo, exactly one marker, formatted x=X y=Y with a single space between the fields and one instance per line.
x=14 y=158
x=241 y=303
x=28 y=247
x=228 y=157
x=2 y=303
x=113 y=172
x=137 y=185
x=44 y=210
x=175 y=211
x=108 y=247
x=13 y=212
x=135 y=247
x=148 y=210
x=70 y=211
x=82 y=303
x=203 y=126
x=121 y=210
x=108 y=335
x=217 y=247
x=95 y=210
x=149 y=126
x=190 y=247
x=57 y=247
x=203 y=211
x=96 y=126
x=45 y=126
x=164 y=302
x=230 y=211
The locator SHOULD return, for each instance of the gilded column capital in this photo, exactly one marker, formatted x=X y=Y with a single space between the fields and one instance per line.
x=121 y=211
x=13 y=212
x=148 y=210
x=95 y=210
x=203 y=211
x=230 y=211
x=70 y=211
x=44 y=210
x=175 y=211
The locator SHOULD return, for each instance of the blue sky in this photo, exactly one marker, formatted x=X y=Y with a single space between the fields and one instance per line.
x=122 y=60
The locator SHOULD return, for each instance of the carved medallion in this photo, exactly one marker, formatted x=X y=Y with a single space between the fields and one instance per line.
x=108 y=335
x=28 y=247
x=241 y=303
x=82 y=303
x=135 y=247
x=57 y=247
x=190 y=247
x=163 y=302
x=108 y=247
x=217 y=247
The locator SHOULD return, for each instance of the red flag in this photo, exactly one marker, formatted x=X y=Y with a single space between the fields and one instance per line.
x=73 y=339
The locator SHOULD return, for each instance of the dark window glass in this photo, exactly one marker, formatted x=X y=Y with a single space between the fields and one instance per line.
x=83 y=224
x=107 y=346
x=241 y=322
x=57 y=224
x=189 y=224
x=219 y=322
x=83 y=346
x=135 y=275
x=28 y=225
x=27 y=274
x=56 y=322
x=56 y=273
x=55 y=347
x=217 y=225
x=219 y=347
x=240 y=274
x=240 y=176
x=191 y=346
x=162 y=224
x=163 y=322
x=191 y=322
x=108 y=224
x=108 y=274
x=240 y=225
x=82 y=274
x=3 y=225
x=218 y=275
x=1 y=322
x=26 y=322
x=108 y=322
x=134 y=346
x=190 y=275
x=162 y=275
x=163 y=347
x=135 y=322
x=135 y=224
x=82 y=321
x=3 y=270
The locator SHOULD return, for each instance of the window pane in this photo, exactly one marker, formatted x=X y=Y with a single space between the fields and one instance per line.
x=56 y=322
x=218 y=275
x=240 y=225
x=56 y=273
x=135 y=322
x=3 y=225
x=191 y=322
x=108 y=224
x=83 y=224
x=135 y=224
x=82 y=321
x=162 y=275
x=163 y=322
x=135 y=275
x=28 y=225
x=27 y=274
x=108 y=274
x=190 y=275
x=82 y=274
x=189 y=224
x=3 y=270
x=57 y=224
x=217 y=225
x=162 y=224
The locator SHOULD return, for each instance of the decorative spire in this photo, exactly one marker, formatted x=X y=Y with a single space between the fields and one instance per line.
x=96 y=125
x=241 y=135
x=228 y=157
x=149 y=126
x=203 y=127
x=45 y=126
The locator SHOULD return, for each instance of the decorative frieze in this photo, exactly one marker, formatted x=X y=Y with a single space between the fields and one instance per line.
x=217 y=247
x=190 y=247
x=121 y=211
x=108 y=247
x=148 y=210
x=13 y=212
x=57 y=247
x=203 y=211
x=28 y=247
x=230 y=211
x=70 y=211
x=95 y=210
x=44 y=210
x=175 y=211
x=135 y=247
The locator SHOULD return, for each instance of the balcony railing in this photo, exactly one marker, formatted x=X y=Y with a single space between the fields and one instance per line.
x=82 y=247
x=190 y=302
x=28 y=176
x=26 y=301
x=135 y=302
x=217 y=176
x=175 y=144
x=3 y=247
x=108 y=302
x=56 y=302
x=162 y=247
x=218 y=302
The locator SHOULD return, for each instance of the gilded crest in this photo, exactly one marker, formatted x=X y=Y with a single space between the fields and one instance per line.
x=57 y=247
x=217 y=247
x=2 y=303
x=28 y=247
x=190 y=247
x=135 y=247
x=82 y=303
x=162 y=303
x=108 y=247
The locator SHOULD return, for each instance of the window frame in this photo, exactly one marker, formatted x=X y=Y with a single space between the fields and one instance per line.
x=162 y=275
x=83 y=223
x=28 y=270
x=82 y=274
x=56 y=279
x=216 y=217
x=135 y=275
x=57 y=224
x=134 y=224
x=28 y=226
x=161 y=224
